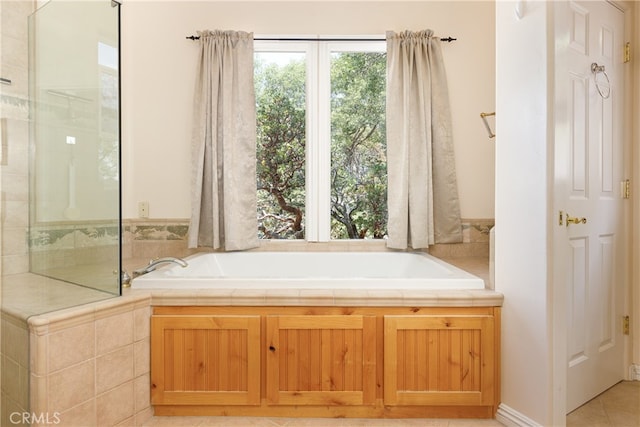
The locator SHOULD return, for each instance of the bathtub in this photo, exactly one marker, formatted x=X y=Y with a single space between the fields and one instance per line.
x=310 y=270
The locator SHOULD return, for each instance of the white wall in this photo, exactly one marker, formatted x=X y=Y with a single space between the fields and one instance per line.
x=533 y=333
x=524 y=67
x=634 y=299
x=158 y=71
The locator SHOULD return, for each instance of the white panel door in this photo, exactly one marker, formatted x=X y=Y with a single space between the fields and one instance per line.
x=594 y=251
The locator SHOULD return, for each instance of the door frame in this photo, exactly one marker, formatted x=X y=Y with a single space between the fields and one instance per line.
x=558 y=290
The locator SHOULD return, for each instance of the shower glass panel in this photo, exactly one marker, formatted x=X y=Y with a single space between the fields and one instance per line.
x=75 y=231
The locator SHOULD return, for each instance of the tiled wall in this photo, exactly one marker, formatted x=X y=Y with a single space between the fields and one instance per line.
x=14 y=210
x=67 y=245
x=154 y=238
x=148 y=239
x=90 y=365
x=14 y=359
x=14 y=115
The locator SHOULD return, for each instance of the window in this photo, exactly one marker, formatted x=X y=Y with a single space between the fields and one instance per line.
x=321 y=152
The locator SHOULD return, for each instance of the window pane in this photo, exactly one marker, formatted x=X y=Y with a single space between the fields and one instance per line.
x=358 y=146
x=281 y=136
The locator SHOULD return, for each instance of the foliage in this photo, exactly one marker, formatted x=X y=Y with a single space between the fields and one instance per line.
x=358 y=148
x=281 y=109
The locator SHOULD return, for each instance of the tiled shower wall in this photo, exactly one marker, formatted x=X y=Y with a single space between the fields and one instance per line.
x=14 y=116
x=14 y=190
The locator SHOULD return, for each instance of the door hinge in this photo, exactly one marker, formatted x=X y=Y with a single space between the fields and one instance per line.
x=627 y=52
x=625 y=325
x=626 y=189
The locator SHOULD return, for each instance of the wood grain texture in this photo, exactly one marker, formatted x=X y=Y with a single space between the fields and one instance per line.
x=205 y=359
x=326 y=361
x=439 y=360
x=321 y=360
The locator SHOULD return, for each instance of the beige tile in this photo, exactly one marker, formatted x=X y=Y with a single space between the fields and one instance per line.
x=142 y=388
x=619 y=406
x=38 y=359
x=71 y=386
x=15 y=264
x=11 y=383
x=624 y=418
x=474 y=423
x=141 y=323
x=7 y=415
x=15 y=341
x=308 y=422
x=116 y=405
x=39 y=398
x=82 y=415
x=424 y=422
x=14 y=241
x=114 y=368
x=129 y=422
x=17 y=133
x=113 y=332
x=144 y=416
x=16 y=214
x=15 y=188
x=71 y=346
x=142 y=356
x=177 y=421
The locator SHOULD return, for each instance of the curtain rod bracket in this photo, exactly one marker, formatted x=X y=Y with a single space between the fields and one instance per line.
x=486 y=124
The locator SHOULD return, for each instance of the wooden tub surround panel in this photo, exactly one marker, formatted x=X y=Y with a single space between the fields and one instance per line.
x=439 y=360
x=205 y=360
x=325 y=361
x=321 y=360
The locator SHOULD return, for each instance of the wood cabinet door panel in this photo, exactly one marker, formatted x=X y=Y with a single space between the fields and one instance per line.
x=439 y=360
x=201 y=360
x=321 y=360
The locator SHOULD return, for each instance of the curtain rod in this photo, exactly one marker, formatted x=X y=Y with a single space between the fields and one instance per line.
x=296 y=39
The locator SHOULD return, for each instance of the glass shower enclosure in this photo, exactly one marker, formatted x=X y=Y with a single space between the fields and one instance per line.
x=74 y=85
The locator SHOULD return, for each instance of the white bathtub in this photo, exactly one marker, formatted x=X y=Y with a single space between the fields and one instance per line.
x=310 y=270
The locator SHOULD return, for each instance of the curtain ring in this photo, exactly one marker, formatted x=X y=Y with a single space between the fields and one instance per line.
x=595 y=69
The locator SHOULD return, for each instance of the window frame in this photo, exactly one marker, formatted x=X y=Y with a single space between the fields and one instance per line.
x=318 y=120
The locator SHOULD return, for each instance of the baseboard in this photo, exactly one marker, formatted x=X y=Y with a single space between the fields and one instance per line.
x=634 y=372
x=512 y=418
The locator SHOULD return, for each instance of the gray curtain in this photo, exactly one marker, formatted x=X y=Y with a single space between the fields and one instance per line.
x=423 y=194
x=223 y=200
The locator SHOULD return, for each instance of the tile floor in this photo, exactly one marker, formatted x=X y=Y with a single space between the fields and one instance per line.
x=314 y=422
x=617 y=407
